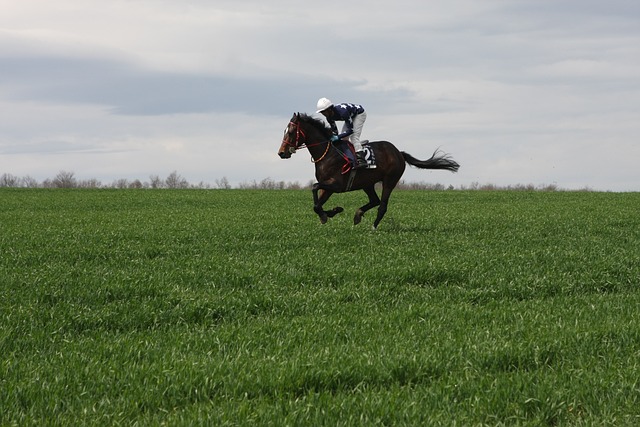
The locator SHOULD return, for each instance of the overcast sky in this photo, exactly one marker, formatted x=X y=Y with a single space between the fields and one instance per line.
x=518 y=91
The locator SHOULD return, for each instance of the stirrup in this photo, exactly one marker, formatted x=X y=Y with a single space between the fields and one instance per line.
x=360 y=162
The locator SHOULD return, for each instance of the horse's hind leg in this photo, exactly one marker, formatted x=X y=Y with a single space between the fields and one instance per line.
x=387 y=188
x=374 y=201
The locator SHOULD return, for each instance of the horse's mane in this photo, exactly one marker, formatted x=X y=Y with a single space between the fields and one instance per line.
x=316 y=123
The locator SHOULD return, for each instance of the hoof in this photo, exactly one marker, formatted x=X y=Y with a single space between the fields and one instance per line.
x=358 y=217
x=333 y=212
x=323 y=218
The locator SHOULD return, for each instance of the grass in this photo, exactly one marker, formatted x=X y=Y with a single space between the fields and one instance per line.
x=195 y=307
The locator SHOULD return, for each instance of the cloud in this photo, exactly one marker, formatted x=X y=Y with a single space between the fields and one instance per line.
x=57 y=147
x=518 y=92
x=131 y=90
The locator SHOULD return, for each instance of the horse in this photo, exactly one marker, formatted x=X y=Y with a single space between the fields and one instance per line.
x=335 y=175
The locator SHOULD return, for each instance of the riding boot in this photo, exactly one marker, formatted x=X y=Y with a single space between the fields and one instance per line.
x=361 y=162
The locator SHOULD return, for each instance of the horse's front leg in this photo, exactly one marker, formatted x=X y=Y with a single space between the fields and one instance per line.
x=321 y=194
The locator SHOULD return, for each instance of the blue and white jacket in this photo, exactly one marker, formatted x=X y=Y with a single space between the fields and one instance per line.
x=344 y=112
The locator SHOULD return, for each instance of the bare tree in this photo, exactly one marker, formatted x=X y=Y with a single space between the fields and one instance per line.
x=90 y=183
x=176 y=181
x=136 y=184
x=121 y=183
x=155 y=181
x=267 y=184
x=8 y=180
x=29 y=182
x=223 y=183
x=64 y=179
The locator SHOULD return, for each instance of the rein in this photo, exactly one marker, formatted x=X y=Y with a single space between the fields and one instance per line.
x=325 y=152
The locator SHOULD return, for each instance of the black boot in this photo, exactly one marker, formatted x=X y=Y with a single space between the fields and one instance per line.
x=361 y=162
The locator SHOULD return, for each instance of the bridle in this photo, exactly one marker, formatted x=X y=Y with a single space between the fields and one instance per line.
x=299 y=132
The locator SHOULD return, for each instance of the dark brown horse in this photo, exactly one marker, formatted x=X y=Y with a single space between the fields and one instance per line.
x=306 y=131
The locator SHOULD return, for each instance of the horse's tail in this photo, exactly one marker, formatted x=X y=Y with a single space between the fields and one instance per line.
x=439 y=160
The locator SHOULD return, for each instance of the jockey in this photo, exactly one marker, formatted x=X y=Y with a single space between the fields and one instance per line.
x=353 y=116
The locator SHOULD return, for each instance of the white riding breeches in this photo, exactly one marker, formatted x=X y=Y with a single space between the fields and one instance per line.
x=358 y=123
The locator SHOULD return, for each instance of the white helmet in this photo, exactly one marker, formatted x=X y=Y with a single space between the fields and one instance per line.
x=323 y=104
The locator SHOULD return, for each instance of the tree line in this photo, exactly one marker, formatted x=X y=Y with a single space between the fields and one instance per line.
x=66 y=179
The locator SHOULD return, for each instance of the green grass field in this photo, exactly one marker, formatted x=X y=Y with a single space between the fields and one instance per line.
x=236 y=307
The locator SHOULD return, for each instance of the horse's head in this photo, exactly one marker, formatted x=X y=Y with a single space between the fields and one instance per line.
x=293 y=138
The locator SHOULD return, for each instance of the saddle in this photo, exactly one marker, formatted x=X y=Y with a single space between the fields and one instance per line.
x=349 y=154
